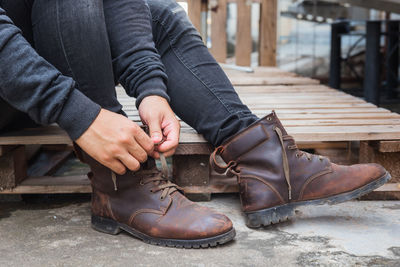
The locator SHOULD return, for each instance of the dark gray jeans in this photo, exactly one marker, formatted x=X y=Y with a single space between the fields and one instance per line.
x=200 y=93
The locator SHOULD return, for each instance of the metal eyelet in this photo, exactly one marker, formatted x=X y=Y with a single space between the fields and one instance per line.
x=297 y=155
x=309 y=159
x=162 y=198
x=269 y=119
x=141 y=182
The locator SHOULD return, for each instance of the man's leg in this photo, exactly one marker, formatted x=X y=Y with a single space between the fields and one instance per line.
x=71 y=34
x=201 y=94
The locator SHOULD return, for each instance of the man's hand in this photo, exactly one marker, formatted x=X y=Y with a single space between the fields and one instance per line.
x=116 y=142
x=158 y=115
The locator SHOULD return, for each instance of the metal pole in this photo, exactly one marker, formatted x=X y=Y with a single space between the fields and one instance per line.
x=372 y=62
x=337 y=29
x=392 y=59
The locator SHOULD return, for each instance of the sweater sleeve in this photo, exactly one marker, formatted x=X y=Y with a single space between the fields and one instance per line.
x=137 y=64
x=32 y=85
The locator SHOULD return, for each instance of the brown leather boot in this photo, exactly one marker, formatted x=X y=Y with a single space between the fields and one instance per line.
x=274 y=176
x=151 y=208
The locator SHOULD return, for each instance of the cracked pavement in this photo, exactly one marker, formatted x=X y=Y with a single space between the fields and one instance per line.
x=57 y=233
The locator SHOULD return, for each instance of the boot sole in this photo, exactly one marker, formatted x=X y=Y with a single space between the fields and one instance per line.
x=266 y=217
x=112 y=227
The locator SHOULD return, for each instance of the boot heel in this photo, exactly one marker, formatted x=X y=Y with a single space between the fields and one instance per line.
x=269 y=216
x=105 y=225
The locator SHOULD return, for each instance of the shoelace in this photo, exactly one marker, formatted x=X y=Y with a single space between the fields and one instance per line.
x=285 y=160
x=162 y=183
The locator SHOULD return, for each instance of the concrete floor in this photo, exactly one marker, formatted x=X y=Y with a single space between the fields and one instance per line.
x=349 y=234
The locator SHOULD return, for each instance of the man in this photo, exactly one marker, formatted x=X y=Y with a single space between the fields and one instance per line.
x=60 y=61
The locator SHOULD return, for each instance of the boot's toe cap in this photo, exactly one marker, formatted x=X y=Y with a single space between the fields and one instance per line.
x=343 y=179
x=374 y=171
x=205 y=223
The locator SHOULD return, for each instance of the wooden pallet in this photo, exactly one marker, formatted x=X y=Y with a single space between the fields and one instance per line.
x=217 y=10
x=318 y=117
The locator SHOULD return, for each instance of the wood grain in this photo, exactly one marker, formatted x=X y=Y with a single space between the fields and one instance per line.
x=218 y=31
x=243 y=33
x=268 y=32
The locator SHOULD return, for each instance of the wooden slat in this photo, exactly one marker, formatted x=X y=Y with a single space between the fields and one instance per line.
x=268 y=32
x=13 y=167
x=388 y=146
x=271 y=80
x=81 y=184
x=261 y=72
x=260 y=111
x=218 y=31
x=342 y=133
x=194 y=12
x=5 y=149
x=52 y=185
x=243 y=33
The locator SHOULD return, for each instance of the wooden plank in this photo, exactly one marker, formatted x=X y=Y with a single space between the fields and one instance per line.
x=389 y=160
x=52 y=185
x=194 y=12
x=218 y=31
x=54 y=135
x=34 y=136
x=230 y=186
x=194 y=149
x=343 y=133
x=80 y=184
x=331 y=122
x=192 y=170
x=322 y=113
x=388 y=146
x=271 y=81
x=268 y=32
x=243 y=33
x=12 y=168
x=5 y=149
x=261 y=72
x=323 y=122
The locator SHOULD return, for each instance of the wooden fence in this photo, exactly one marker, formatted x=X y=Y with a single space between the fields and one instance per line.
x=267 y=29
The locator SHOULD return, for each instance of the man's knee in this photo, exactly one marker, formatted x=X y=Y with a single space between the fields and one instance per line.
x=166 y=9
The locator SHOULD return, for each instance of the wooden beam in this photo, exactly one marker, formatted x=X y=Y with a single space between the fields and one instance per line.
x=13 y=168
x=5 y=149
x=268 y=32
x=243 y=33
x=388 y=146
x=218 y=31
x=389 y=160
x=194 y=12
x=192 y=170
x=52 y=185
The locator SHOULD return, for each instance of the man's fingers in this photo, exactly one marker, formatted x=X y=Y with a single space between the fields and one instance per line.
x=144 y=141
x=155 y=130
x=137 y=152
x=130 y=162
x=172 y=140
x=116 y=166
